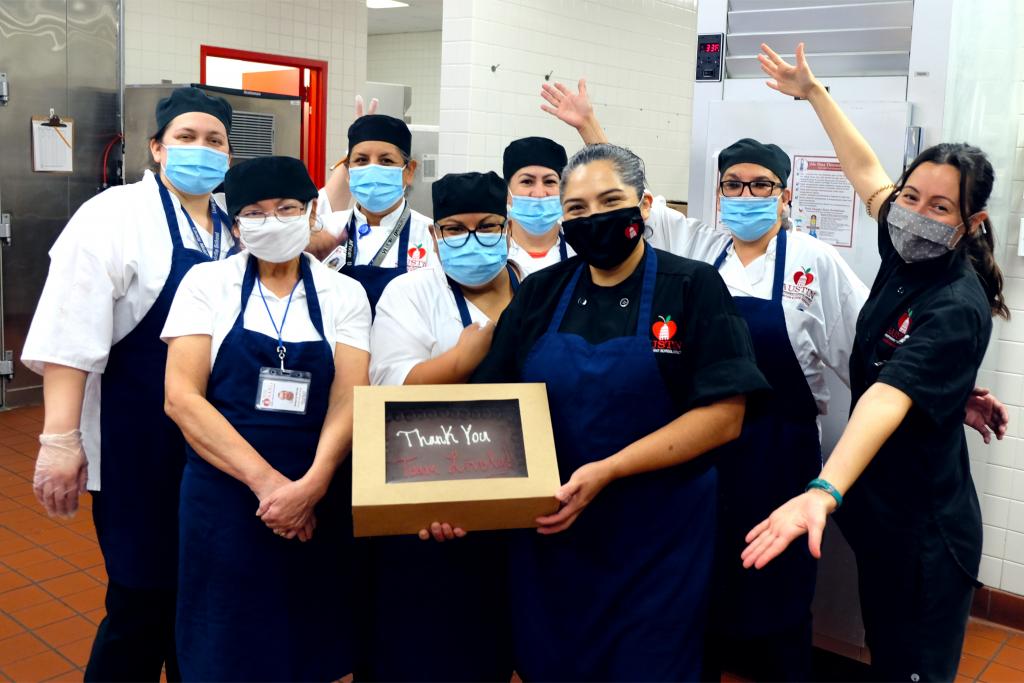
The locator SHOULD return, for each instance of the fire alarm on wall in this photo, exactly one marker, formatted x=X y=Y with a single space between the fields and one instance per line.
x=710 y=47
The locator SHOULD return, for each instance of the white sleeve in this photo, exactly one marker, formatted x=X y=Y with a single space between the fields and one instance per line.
x=400 y=338
x=334 y=221
x=687 y=237
x=74 y=320
x=351 y=313
x=191 y=311
x=842 y=303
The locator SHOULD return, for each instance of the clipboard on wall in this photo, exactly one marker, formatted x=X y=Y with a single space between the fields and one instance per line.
x=53 y=144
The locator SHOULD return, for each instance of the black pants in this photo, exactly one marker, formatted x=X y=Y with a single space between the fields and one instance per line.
x=915 y=610
x=136 y=638
x=784 y=655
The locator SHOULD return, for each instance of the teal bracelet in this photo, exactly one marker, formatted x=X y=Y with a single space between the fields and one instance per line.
x=828 y=488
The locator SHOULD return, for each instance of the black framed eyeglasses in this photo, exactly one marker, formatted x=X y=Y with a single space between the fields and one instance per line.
x=758 y=188
x=487 y=234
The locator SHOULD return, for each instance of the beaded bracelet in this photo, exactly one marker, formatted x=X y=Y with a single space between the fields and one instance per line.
x=883 y=188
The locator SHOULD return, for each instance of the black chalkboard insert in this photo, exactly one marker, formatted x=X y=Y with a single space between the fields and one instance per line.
x=453 y=440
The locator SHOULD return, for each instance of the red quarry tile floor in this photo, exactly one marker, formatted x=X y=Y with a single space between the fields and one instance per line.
x=51 y=571
x=52 y=582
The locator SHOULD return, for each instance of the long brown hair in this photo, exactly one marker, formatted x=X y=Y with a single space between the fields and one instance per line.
x=976 y=179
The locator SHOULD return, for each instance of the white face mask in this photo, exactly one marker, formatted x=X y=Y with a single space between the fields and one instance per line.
x=273 y=239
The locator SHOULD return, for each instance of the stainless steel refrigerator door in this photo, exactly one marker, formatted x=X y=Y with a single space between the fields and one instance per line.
x=60 y=55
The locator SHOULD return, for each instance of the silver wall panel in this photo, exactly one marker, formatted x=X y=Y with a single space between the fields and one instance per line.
x=61 y=55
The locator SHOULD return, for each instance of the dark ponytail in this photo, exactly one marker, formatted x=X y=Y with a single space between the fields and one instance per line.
x=976 y=179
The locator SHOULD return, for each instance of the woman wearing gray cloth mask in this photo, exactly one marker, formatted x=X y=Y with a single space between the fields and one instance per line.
x=911 y=511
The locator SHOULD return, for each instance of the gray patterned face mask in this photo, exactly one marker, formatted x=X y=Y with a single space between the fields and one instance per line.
x=919 y=238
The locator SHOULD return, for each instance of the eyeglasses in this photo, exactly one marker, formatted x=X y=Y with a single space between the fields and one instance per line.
x=487 y=234
x=283 y=211
x=758 y=188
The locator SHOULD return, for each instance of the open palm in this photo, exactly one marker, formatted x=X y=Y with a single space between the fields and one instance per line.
x=797 y=81
x=573 y=108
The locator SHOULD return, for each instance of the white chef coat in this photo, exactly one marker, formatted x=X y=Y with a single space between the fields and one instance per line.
x=107 y=269
x=210 y=297
x=821 y=311
x=420 y=250
x=417 y=319
x=529 y=264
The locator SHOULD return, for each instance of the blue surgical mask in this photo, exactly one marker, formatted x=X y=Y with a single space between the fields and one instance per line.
x=195 y=169
x=473 y=264
x=536 y=215
x=376 y=188
x=749 y=218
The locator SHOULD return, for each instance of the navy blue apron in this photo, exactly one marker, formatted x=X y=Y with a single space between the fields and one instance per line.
x=776 y=455
x=375 y=278
x=253 y=606
x=142 y=452
x=460 y=298
x=449 y=594
x=621 y=594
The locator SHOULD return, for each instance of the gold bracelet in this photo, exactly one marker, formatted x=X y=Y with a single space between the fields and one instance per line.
x=890 y=186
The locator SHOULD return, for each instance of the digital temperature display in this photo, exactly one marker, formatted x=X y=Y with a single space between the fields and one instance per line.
x=709 y=56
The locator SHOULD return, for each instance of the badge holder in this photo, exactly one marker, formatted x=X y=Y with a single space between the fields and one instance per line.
x=283 y=391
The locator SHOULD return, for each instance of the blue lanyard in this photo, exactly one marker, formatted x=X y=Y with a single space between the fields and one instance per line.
x=215 y=216
x=281 y=350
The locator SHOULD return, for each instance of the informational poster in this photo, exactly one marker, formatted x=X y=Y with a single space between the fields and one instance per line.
x=823 y=200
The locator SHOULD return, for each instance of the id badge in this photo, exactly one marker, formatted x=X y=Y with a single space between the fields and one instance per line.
x=283 y=391
x=336 y=259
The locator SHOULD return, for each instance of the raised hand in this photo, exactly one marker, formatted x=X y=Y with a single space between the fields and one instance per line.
x=572 y=108
x=360 y=106
x=797 y=81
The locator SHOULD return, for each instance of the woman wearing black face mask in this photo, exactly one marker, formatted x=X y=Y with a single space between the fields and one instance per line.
x=911 y=513
x=647 y=365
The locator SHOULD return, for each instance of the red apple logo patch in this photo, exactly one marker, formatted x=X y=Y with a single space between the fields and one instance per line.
x=632 y=230
x=417 y=252
x=803 y=278
x=664 y=330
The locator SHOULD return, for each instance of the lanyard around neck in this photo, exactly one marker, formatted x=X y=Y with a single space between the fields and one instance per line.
x=281 y=349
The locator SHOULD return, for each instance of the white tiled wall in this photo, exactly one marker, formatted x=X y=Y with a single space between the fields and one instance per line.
x=413 y=59
x=985 y=106
x=162 y=39
x=637 y=55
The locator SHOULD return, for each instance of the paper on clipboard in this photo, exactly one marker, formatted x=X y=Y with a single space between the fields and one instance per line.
x=53 y=145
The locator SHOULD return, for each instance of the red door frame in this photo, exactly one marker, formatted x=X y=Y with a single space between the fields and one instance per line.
x=315 y=155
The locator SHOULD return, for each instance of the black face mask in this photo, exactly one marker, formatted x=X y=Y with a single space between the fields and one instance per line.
x=604 y=240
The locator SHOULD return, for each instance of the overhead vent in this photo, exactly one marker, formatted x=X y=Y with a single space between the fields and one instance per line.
x=252 y=134
x=842 y=37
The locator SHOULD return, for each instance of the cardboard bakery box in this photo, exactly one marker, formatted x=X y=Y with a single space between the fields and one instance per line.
x=479 y=456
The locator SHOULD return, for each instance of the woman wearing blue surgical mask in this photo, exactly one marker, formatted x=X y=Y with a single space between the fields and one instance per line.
x=533 y=168
x=647 y=365
x=433 y=327
x=381 y=237
x=264 y=350
x=95 y=338
x=900 y=471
